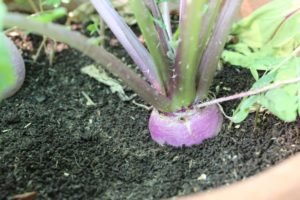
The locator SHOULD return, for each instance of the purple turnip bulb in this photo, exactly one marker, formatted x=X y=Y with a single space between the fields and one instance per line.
x=186 y=128
x=18 y=66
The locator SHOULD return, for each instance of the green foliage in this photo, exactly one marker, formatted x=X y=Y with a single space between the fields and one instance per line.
x=92 y=28
x=51 y=15
x=272 y=24
x=267 y=39
x=7 y=77
x=55 y=3
x=283 y=102
x=52 y=3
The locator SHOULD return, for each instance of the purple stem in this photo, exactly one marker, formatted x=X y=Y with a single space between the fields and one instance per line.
x=208 y=23
x=215 y=47
x=130 y=42
x=249 y=93
x=163 y=35
x=165 y=14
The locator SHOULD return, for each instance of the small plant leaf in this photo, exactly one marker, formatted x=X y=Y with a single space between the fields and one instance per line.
x=101 y=76
x=244 y=109
x=283 y=102
x=50 y=15
x=261 y=59
x=273 y=21
x=280 y=103
x=55 y=3
x=265 y=40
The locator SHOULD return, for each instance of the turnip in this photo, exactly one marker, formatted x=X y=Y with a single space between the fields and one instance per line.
x=182 y=72
x=179 y=68
x=18 y=68
x=187 y=128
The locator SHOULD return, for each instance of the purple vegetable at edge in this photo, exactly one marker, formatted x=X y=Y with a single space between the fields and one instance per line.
x=19 y=68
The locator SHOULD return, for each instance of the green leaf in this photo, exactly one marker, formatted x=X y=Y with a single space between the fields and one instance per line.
x=244 y=109
x=92 y=28
x=266 y=37
x=289 y=71
x=50 y=15
x=283 y=102
x=7 y=77
x=255 y=61
x=264 y=80
x=254 y=73
x=261 y=59
x=277 y=21
x=55 y=3
x=280 y=103
x=52 y=2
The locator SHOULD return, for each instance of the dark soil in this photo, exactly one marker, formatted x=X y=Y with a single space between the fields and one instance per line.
x=52 y=143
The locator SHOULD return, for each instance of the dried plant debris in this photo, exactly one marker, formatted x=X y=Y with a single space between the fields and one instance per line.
x=25 y=196
x=100 y=75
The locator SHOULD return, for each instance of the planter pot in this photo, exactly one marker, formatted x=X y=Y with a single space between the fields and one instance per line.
x=264 y=186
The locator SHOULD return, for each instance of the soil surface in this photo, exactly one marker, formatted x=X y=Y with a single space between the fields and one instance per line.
x=53 y=143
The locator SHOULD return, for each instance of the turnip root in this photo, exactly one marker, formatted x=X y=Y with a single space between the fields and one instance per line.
x=18 y=66
x=186 y=128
